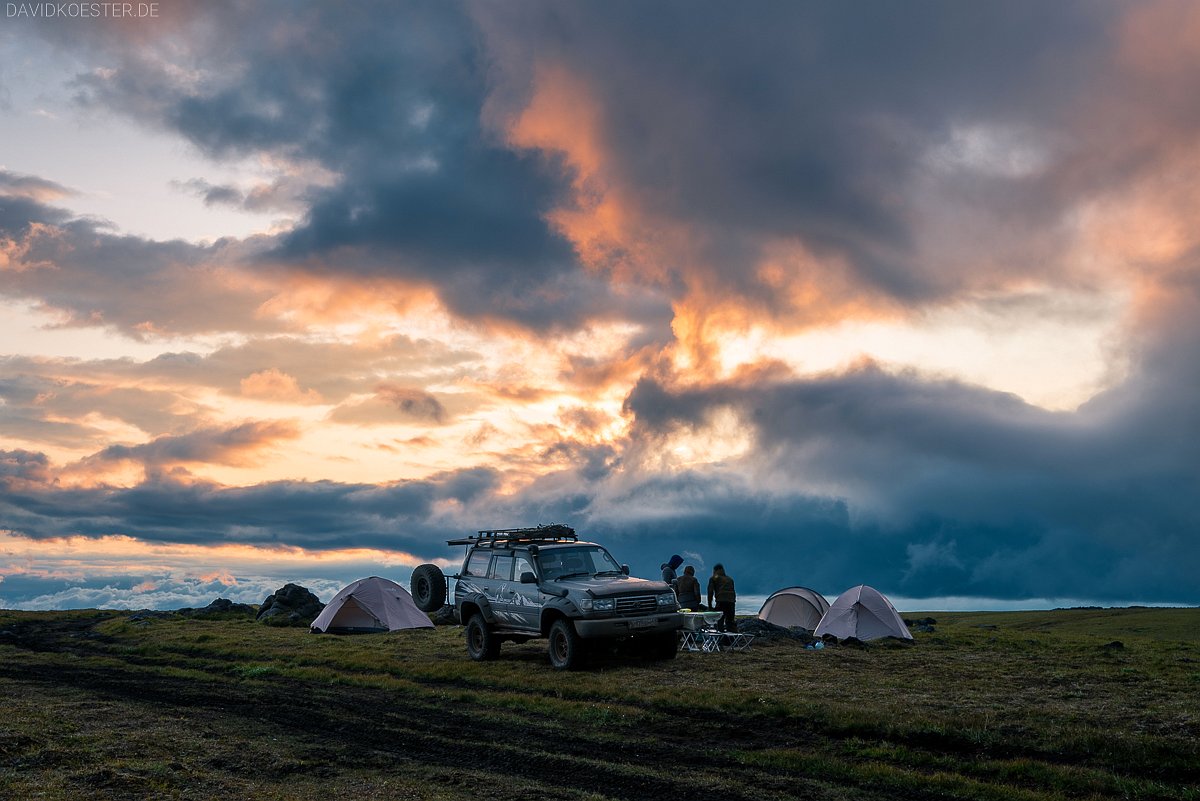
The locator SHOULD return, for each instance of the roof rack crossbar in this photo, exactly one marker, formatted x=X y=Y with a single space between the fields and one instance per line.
x=554 y=532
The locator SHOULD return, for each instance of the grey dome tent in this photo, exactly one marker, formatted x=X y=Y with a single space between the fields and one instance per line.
x=864 y=613
x=371 y=605
x=794 y=606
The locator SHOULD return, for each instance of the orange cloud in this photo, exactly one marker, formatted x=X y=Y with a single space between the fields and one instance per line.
x=273 y=384
x=617 y=229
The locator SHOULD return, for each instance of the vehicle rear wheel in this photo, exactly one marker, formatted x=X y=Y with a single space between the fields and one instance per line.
x=566 y=646
x=482 y=642
x=428 y=587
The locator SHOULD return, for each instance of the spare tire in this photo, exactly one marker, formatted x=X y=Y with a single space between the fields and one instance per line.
x=428 y=587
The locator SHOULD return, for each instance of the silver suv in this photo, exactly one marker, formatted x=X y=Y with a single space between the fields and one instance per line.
x=519 y=584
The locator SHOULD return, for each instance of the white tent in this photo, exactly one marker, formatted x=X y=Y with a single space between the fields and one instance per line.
x=371 y=604
x=794 y=606
x=864 y=613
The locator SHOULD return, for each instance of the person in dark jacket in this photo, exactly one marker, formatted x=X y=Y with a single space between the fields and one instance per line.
x=688 y=589
x=669 y=568
x=720 y=588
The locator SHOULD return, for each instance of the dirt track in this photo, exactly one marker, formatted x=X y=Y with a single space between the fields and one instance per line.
x=329 y=729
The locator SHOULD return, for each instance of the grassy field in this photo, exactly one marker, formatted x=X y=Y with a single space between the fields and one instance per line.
x=1028 y=705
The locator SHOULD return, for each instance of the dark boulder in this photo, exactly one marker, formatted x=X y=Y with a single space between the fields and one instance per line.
x=769 y=632
x=290 y=605
x=222 y=607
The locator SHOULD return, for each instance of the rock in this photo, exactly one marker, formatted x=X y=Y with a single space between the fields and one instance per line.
x=1115 y=645
x=444 y=616
x=767 y=632
x=290 y=605
x=223 y=606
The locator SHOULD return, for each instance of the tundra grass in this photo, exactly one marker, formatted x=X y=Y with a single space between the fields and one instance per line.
x=1036 y=706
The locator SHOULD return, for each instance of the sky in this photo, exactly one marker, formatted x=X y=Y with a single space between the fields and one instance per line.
x=904 y=294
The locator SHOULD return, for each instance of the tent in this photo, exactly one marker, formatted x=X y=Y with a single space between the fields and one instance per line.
x=369 y=605
x=864 y=613
x=794 y=606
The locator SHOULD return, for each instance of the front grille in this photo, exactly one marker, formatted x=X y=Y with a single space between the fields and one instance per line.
x=637 y=604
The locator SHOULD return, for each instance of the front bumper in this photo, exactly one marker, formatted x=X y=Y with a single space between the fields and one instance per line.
x=626 y=626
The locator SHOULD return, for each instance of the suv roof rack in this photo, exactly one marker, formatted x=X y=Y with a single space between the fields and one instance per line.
x=554 y=532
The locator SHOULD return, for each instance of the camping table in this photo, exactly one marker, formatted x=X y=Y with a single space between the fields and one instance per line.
x=696 y=625
x=699 y=634
x=733 y=641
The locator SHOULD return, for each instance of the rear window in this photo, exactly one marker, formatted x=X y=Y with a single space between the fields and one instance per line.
x=502 y=568
x=477 y=565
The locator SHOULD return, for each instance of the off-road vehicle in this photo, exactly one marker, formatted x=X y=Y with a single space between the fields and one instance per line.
x=519 y=584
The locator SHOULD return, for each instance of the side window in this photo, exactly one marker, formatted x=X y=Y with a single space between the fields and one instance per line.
x=477 y=565
x=502 y=568
x=522 y=566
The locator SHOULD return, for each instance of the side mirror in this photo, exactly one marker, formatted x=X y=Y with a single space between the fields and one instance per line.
x=625 y=569
x=528 y=578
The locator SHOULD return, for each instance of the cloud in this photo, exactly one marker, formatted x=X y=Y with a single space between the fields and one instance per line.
x=237 y=445
x=390 y=404
x=287 y=193
x=604 y=195
x=422 y=193
x=142 y=288
x=272 y=384
x=31 y=187
x=723 y=138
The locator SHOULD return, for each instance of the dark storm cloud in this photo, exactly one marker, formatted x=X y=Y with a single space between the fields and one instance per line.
x=319 y=515
x=816 y=121
x=388 y=98
x=772 y=122
x=958 y=490
x=24 y=465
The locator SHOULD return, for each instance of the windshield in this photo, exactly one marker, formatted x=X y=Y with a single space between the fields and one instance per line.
x=586 y=560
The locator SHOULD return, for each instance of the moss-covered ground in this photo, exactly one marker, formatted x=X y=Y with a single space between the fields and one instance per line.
x=1068 y=704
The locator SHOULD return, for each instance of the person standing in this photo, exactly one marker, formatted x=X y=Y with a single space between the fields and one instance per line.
x=688 y=589
x=720 y=588
x=668 y=569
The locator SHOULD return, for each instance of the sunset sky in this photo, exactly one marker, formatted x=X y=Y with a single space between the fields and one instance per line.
x=905 y=294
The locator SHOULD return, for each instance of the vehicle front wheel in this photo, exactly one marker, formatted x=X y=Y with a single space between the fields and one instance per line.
x=566 y=646
x=482 y=642
x=662 y=646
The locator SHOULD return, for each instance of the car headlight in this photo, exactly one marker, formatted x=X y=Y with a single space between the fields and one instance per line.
x=666 y=599
x=597 y=604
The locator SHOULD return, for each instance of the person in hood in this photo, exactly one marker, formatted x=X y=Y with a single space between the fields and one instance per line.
x=668 y=569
